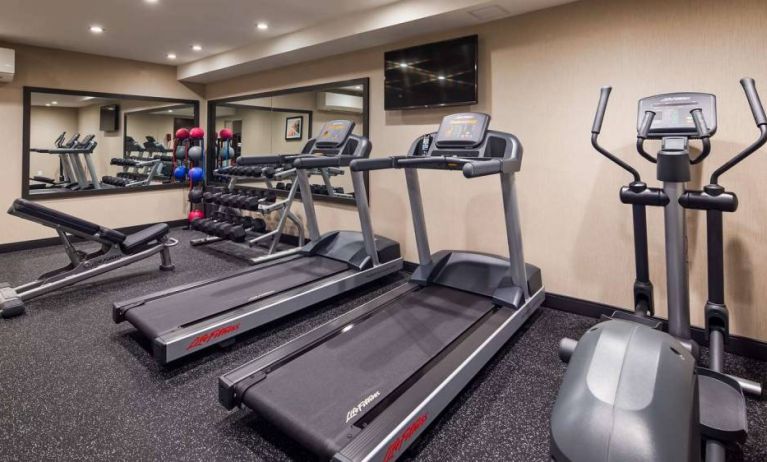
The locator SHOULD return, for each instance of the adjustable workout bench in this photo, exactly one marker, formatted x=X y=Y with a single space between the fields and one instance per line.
x=117 y=250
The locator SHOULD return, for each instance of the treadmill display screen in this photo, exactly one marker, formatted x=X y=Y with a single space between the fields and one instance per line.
x=467 y=130
x=335 y=132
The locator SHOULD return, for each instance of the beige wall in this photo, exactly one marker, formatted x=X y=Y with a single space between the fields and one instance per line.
x=41 y=67
x=540 y=79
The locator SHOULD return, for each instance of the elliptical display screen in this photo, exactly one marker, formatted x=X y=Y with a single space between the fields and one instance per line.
x=462 y=130
x=672 y=113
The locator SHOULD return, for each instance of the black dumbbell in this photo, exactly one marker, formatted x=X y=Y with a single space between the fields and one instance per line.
x=258 y=225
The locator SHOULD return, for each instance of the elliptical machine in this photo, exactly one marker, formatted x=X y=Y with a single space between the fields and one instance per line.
x=633 y=391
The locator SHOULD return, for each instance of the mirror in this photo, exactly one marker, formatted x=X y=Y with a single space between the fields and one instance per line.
x=283 y=122
x=79 y=143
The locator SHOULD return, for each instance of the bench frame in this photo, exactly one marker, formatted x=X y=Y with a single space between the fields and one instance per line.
x=82 y=265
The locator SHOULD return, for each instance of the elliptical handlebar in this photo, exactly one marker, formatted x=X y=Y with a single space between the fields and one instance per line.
x=703 y=132
x=749 y=87
x=644 y=129
x=596 y=128
x=599 y=117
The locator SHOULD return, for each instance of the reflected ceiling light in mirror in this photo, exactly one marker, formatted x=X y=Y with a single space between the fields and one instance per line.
x=96 y=29
x=262 y=26
x=54 y=102
x=47 y=104
x=170 y=110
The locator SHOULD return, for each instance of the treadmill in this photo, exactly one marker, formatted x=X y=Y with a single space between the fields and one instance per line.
x=185 y=319
x=364 y=386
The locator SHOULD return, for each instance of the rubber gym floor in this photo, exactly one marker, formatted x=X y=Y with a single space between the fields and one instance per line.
x=76 y=386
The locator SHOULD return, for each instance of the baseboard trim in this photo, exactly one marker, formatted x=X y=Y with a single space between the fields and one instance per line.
x=742 y=346
x=49 y=241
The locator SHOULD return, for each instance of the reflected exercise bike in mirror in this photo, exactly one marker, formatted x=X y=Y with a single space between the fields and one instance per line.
x=95 y=142
x=283 y=123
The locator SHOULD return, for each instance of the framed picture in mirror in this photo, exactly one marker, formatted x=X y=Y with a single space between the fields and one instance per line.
x=294 y=128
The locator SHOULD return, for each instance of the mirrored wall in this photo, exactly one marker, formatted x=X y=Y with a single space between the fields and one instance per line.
x=79 y=143
x=283 y=122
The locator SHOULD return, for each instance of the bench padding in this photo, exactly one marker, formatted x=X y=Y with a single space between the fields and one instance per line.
x=136 y=241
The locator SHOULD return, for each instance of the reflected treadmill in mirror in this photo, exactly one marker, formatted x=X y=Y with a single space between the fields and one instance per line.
x=283 y=123
x=96 y=142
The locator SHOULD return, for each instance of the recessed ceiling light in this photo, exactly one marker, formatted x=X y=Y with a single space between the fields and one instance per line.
x=197 y=47
x=171 y=55
x=151 y=1
x=358 y=87
x=96 y=29
x=402 y=64
x=47 y=104
x=441 y=77
x=170 y=110
x=54 y=102
x=262 y=26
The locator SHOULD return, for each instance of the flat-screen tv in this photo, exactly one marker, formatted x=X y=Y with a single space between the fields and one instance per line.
x=110 y=118
x=435 y=74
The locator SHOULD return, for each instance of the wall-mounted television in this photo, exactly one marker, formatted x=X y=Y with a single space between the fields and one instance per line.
x=435 y=74
x=110 y=118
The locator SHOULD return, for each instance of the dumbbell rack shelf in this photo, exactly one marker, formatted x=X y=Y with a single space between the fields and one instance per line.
x=282 y=207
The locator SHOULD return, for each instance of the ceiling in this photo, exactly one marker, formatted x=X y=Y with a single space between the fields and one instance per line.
x=299 y=30
x=137 y=29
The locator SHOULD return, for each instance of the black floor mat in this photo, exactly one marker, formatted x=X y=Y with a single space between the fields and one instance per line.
x=76 y=386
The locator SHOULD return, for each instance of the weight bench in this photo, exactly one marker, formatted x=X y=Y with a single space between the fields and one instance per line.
x=117 y=250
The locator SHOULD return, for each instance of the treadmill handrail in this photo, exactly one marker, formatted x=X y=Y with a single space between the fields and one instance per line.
x=274 y=159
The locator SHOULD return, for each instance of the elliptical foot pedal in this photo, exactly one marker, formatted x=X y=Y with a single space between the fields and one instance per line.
x=722 y=407
x=11 y=304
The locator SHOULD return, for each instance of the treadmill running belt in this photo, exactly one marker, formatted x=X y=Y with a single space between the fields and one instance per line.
x=317 y=396
x=156 y=317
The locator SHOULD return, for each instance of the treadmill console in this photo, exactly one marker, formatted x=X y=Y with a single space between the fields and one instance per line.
x=466 y=135
x=462 y=130
x=334 y=134
x=672 y=114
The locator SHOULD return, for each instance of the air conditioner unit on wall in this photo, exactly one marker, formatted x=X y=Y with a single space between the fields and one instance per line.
x=7 y=65
x=339 y=102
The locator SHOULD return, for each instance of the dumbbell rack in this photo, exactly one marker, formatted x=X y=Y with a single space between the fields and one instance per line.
x=144 y=171
x=265 y=208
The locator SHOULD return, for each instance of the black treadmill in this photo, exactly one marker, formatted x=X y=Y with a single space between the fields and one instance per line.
x=186 y=319
x=365 y=385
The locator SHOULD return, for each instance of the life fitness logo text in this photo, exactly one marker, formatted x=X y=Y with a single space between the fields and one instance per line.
x=205 y=338
x=362 y=405
x=408 y=434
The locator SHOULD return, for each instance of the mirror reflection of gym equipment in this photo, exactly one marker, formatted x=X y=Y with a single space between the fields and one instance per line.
x=92 y=142
x=281 y=123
